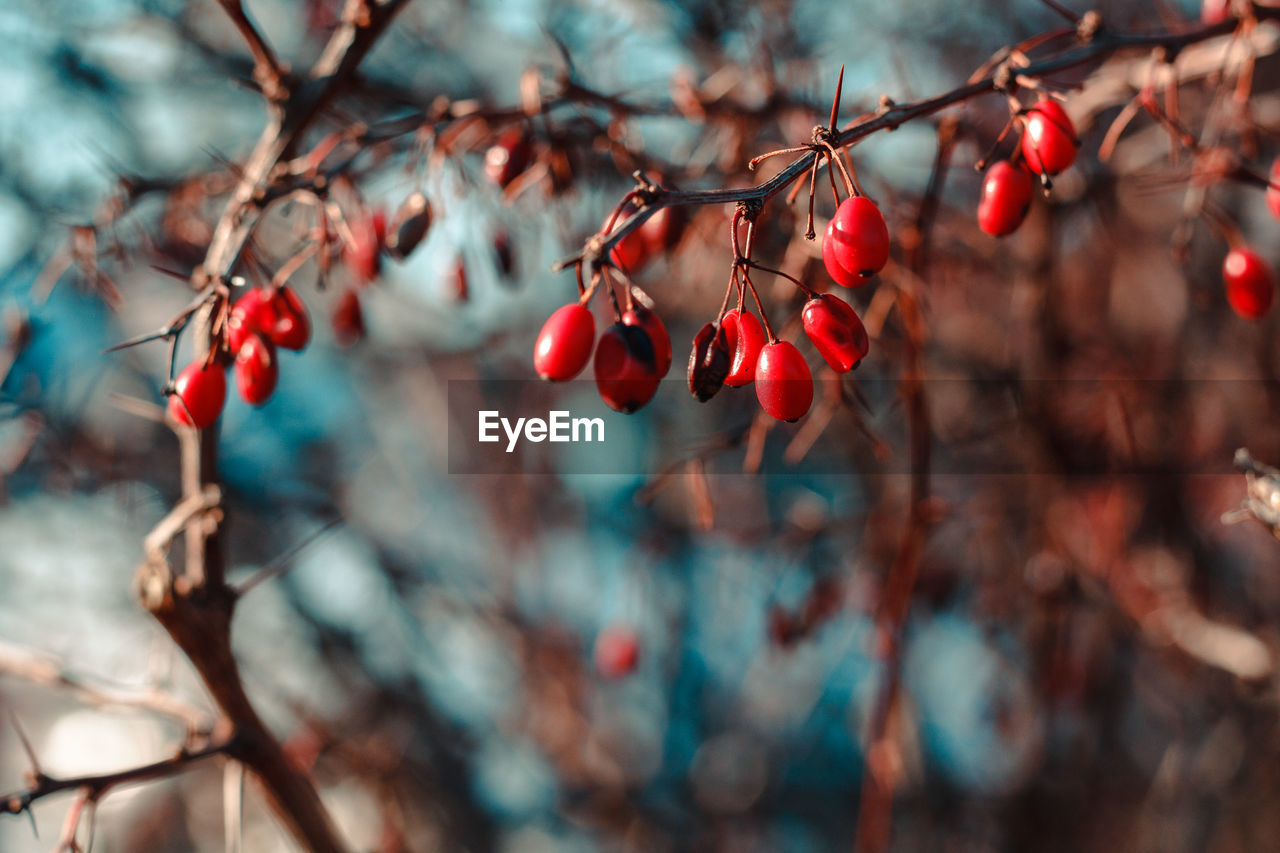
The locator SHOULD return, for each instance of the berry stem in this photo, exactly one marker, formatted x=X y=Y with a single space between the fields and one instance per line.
x=831 y=175
x=991 y=152
x=809 y=233
x=755 y=161
x=728 y=294
x=808 y=291
x=768 y=329
x=849 y=187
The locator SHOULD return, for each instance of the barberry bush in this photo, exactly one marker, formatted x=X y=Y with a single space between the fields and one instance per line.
x=925 y=338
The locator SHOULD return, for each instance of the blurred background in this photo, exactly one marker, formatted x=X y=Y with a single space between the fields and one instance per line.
x=1088 y=661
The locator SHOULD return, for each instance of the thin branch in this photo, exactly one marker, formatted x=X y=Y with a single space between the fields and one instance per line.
x=39 y=668
x=267 y=71
x=97 y=785
x=1102 y=43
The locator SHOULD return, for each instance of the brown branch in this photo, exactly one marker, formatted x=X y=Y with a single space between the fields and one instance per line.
x=38 y=668
x=196 y=605
x=1262 y=499
x=1096 y=45
x=875 y=811
x=97 y=785
x=267 y=70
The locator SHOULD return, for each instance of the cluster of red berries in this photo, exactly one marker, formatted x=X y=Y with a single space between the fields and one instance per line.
x=634 y=354
x=1048 y=147
x=259 y=322
x=631 y=357
x=265 y=318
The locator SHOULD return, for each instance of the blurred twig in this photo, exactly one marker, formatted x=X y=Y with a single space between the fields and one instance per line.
x=1262 y=496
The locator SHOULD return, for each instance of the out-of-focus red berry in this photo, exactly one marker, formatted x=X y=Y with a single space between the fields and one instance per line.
x=1250 y=286
x=199 y=393
x=617 y=652
x=347 y=319
x=256 y=370
x=1006 y=197
x=507 y=158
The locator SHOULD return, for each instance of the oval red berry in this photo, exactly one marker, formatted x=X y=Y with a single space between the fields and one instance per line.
x=289 y=324
x=247 y=317
x=1049 y=140
x=199 y=393
x=564 y=344
x=839 y=274
x=626 y=368
x=836 y=331
x=507 y=158
x=256 y=370
x=1006 y=198
x=861 y=237
x=348 y=318
x=657 y=332
x=746 y=338
x=784 y=385
x=1249 y=283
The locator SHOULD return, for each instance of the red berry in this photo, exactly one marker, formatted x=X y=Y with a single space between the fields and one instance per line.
x=1049 y=141
x=1273 y=191
x=784 y=385
x=839 y=274
x=626 y=368
x=348 y=318
x=246 y=317
x=256 y=370
x=860 y=237
x=564 y=344
x=656 y=235
x=508 y=157
x=288 y=324
x=652 y=324
x=1006 y=198
x=1250 y=285
x=364 y=254
x=617 y=652
x=198 y=395
x=745 y=337
x=836 y=332
x=1214 y=12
